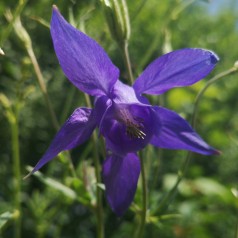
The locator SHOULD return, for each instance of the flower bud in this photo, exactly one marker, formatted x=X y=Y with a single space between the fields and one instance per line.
x=117 y=17
x=19 y=29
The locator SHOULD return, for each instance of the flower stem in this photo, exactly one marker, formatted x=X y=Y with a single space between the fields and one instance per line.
x=11 y=112
x=157 y=169
x=42 y=85
x=168 y=198
x=8 y=29
x=26 y=39
x=144 y=197
x=99 y=207
x=171 y=194
x=203 y=90
x=236 y=232
x=127 y=61
x=16 y=170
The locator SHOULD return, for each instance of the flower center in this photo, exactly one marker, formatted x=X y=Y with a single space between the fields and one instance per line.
x=134 y=130
x=134 y=126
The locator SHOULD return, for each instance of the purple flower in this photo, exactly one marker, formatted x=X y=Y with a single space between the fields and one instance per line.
x=124 y=117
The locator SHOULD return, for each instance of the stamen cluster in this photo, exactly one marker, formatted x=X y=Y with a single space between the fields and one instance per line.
x=134 y=130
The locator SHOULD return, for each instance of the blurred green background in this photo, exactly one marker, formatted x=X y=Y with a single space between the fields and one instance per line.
x=58 y=204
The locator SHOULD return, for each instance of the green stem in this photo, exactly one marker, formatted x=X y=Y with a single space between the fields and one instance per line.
x=127 y=61
x=157 y=169
x=67 y=105
x=180 y=8
x=236 y=232
x=203 y=90
x=99 y=207
x=16 y=170
x=168 y=198
x=25 y=38
x=144 y=197
x=171 y=194
x=42 y=85
x=138 y=10
x=7 y=31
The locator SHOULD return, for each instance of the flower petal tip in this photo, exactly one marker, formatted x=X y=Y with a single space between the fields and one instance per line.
x=217 y=152
x=214 y=152
x=55 y=8
x=214 y=58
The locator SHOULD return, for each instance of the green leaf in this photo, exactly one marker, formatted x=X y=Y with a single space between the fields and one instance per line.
x=5 y=217
x=55 y=184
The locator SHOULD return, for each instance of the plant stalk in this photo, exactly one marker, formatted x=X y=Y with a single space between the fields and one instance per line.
x=127 y=61
x=203 y=90
x=144 y=199
x=42 y=85
x=99 y=207
x=168 y=198
x=16 y=171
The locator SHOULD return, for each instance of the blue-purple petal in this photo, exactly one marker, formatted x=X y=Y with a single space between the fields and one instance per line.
x=76 y=130
x=176 y=133
x=82 y=59
x=123 y=93
x=114 y=127
x=176 y=69
x=101 y=104
x=120 y=175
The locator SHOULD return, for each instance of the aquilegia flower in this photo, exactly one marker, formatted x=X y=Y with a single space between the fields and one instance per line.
x=124 y=117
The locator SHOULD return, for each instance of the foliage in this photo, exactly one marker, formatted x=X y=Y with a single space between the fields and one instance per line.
x=61 y=200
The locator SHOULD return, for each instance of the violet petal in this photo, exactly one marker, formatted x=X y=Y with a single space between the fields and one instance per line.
x=120 y=120
x=176 y=133
x=176 y=69
x=123 y=93
x=76 y=130
x=120 y=175
x=82 y=59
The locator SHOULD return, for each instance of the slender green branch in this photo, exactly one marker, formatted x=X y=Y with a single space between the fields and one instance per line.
x=67 y=105
x=42 y=85
x=99 y=207
x=17 y=13
x=127 y=61
x=11 y=112
x=16 y=170
x=170 y=195
x=203 y=90
x=138 y=10
x=87 y=100
x=144 y=197
x=236 y=232
x=180 y=8
x=99 y=211
x=25 y=38
x=157 y=168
